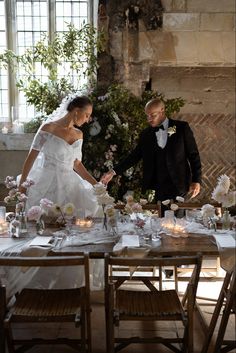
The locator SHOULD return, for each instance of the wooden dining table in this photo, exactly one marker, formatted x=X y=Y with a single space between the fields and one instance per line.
x=190 y=244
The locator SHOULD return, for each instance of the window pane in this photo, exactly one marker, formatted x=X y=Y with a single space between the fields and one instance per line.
x=3 y=72
x=31 y=22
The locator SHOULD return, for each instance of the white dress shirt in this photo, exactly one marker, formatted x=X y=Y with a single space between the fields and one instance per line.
x=162 y=135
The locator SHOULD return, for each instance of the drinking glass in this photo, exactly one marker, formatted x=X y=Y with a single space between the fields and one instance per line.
x=156 y=227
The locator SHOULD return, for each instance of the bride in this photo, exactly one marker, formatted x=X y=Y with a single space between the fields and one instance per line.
x=54 y=160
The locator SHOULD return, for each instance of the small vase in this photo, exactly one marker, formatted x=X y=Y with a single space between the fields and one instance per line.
x=40 y=226
x=226 y=220
x=22 y=227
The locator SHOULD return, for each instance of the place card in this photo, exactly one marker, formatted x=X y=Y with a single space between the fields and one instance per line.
x=130 y=240
x=225 y=241
x=40 y=241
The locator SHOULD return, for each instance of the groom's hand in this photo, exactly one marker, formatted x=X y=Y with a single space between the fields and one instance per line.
x=194 y=189
x=107 y=177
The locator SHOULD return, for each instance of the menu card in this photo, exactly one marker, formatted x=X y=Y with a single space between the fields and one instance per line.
x=225 y=241
x=130 y=240
x=40 y=241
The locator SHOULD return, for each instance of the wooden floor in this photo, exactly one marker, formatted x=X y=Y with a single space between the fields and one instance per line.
x=98 y=328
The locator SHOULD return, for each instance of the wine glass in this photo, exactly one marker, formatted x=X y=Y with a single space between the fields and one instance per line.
x=155 y=226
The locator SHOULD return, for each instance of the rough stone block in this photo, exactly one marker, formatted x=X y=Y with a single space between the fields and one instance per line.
x=146 y=51
x=167 y=4
x=116 y=44
x=211 y=6
x=181 y=22
x=185 y=48
x=228 y=45
x=163 y=47
x=179 y=5
x=217 y=22
x=210 y=49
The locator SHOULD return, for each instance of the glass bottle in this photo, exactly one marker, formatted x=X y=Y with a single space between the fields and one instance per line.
x=226 y=220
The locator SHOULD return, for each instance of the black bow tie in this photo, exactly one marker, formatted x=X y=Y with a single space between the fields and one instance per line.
x=157 y=128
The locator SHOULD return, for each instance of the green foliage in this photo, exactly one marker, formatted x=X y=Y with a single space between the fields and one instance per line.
x=121 y=117
x=34 y=124
x=77 y=48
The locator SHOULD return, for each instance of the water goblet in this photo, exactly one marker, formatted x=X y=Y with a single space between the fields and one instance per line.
x=155 y=226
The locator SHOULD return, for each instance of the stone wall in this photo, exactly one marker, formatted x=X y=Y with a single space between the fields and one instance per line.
x=181 y=48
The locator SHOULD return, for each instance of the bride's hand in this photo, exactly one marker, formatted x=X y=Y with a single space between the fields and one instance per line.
x=107 y=177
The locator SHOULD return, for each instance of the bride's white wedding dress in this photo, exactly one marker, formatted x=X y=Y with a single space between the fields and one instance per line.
x=54 y=176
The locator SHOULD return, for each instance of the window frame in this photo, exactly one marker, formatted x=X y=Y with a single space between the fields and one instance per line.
x=11 y=43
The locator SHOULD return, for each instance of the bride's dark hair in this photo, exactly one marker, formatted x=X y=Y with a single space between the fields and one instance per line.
x=79 y=102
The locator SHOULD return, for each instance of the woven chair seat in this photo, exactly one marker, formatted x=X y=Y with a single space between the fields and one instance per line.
x=133 y=303
x=56 y=303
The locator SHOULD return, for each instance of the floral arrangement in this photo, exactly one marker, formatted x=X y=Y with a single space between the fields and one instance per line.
x=107 y=203
x=135 y=210
x=63 y=213
x=14 y=195
x=222 y=193
x=18 y=223
x=36 y=213
x=173 y=206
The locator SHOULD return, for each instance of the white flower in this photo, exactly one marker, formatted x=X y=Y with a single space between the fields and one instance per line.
x=224 y=183
x=174 y=207
x=110 y=211
x=69 y=209
x=99 y=189
x=56 y=209
x=229 y=199
x=179 y=199
x=208 y=210
x=105 y=199
x=143 y=202
x=165 y=202
x=171 y=130
x=221 y=192
x=129 y=199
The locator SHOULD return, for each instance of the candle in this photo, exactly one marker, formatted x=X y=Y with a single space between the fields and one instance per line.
x=18 y=127
x=3 y=227
x=86 y=223
x=4 y=130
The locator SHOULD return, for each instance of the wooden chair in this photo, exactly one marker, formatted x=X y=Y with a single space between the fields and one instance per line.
x=150 y=304
x=215 y=269
x=227 y=301
x=49 y=305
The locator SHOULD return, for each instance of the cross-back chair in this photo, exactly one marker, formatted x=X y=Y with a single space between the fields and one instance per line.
x=48 y=305
x=213 y=271
x=151 y=304
x=227 y=301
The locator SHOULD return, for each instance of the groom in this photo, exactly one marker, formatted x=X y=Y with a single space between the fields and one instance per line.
x=168 y=150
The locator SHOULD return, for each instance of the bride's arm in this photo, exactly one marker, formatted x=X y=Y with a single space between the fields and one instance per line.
x=82 y=171
x=27 y=167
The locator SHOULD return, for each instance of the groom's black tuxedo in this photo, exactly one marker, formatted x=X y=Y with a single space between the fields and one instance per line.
x=178 y=163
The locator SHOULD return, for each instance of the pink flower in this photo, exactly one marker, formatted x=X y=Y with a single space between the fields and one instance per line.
x=46 y=204
x=29 y=182
x=34 y=213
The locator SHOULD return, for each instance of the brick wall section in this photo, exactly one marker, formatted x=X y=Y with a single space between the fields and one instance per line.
x=215 y=136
